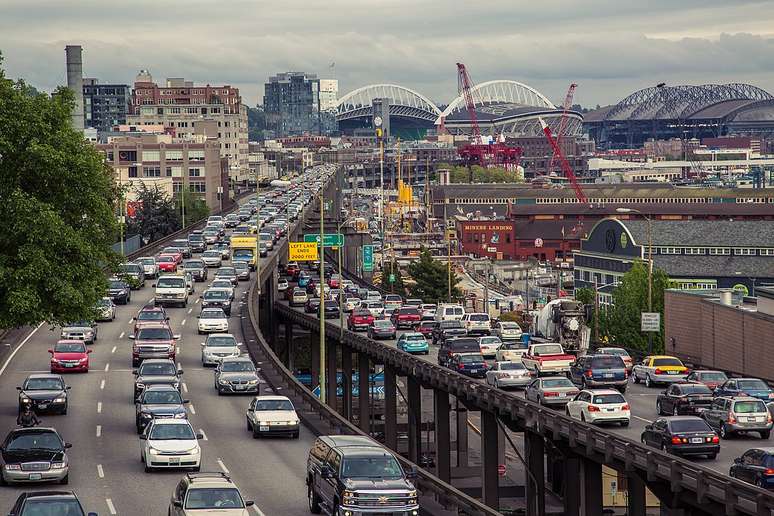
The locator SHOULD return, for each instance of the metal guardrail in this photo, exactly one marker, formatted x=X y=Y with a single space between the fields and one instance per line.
x=616 y=450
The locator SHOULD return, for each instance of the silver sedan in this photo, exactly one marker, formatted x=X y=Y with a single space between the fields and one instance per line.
x=508 y=374
x=552 y=391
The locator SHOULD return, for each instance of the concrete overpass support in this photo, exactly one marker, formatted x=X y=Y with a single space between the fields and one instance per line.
x=462 y=435
x=592 y=487
x=570 y=474
x=314 y=354
x=390 y=408
x=636 y=496
x=346 y=373
x=331 y=371
x=364 y=408
x=534 y=451
x=414 y=398
x=490 y=459
x=442 y=435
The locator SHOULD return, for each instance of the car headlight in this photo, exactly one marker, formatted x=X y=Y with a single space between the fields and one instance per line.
x=13 y=467
x=181 y=295
x=223 y=382
x=252 y=382
x=146 y=415
x=181 y=415
x=139 y=385
x=153 y=451
x=84 y=359
x=58 y=465
x=192 y=451
x=60 y=399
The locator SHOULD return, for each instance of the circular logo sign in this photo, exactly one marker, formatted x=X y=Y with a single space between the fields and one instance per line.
x=378 y=121
x=740 y=287
x=624 y=240
x=538 y=242
x=610 y=240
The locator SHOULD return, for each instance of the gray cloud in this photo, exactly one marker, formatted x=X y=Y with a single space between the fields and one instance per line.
x=606 y=46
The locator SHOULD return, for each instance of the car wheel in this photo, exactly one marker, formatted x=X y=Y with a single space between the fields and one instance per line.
x=712 y=456
x=765 y=434
x=625 y=424
x=648 y=381
x=64 y=410
x=148 y=469
x=314 y=500
x=724 y=433
x=658 y=409
x=622 y=389
x=567 y=412
x=759 y=482
x=635 y=378
x=65 y=480
x=583 y=383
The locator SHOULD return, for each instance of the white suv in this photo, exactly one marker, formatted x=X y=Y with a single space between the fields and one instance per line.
x=477 y=323
x=199 y=494
x=171 y=290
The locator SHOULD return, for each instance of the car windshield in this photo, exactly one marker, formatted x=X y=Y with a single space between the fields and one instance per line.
x=240 y=265
x=44 y=507
x=221 y=284
x=745 y=407
x=211 y=254
x=371 y=467
x=43 y=384
x=226 y=271
x=752 y=385
x=70 y=347
x=273 y=405
x=445 y=325
x=509 y=326
x=607 y=362
x=214 y=498
x=165 y=259
x=213 y=314
x=79 y=324
x=149 y=369
x=171 y=397
x=689 y=425
x=221 y=341
x=103 y=303
x=718 y=376
x=151 y=316
x=131 y=267
x=548 y=349
x=237 y=367
x=479 y=317
x=117 y=284
x=172 y=433
x=513 y=345
x=698 y=388
x=663 y=362
x=490 y=340
x=193 y=264
x=170 y=283
x=408 y=311
x=215 y=294
x=608 y=398
x=511 y=366
x=615 y=351
x=35 y=440
x=414 y=336
x=382 y=324
x=557 y=382
x=471 y=359
x=154 y=334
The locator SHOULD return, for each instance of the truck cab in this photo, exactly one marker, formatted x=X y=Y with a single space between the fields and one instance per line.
x=547 y=358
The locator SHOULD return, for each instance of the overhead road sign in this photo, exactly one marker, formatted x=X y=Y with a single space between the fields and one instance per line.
x=302 y=251
x=329 y=240
x=368 y=258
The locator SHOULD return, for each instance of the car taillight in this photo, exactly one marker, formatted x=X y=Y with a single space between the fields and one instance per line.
x=460 y=367
x=731 y=419
x=679 y=440
x=768 y=418
x=550 y=394
x=714 y=439
x=769 y=471
x=658 y=371
x=625 y=407
x=593 y=408
x=588 y=373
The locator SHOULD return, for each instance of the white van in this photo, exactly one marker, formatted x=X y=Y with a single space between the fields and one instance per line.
x=171 y=290
x=449 y=312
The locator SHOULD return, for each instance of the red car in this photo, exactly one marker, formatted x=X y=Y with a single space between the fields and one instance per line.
x=153 y=340
x=407 y=316
x=149 y=315
x=291 y=269
x=70 y=356
x=360 y=319
x=426 y=328
x=334 y=281
x=167 y=263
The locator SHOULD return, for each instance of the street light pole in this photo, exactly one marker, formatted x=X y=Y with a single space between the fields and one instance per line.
x=220 y=199
x=323 y=363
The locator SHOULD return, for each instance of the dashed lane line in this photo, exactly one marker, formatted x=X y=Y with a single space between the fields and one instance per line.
x=185 y=388
x=223 y=466
x=100 y=471
x=122 y=335
x=193 y=410
x=107 y=367
x=114 y=349
x=102 y=385
x=111 y=507
x=17 y=348
x=204 y=436
x=190 y=310
x=99 y=407
x=183 y=323
x=99 y=430
x=642 y=419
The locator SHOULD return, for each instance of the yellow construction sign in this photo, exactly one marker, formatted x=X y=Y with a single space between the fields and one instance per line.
x=302 y=251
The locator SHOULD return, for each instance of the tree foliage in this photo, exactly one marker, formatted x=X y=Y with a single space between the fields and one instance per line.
x=396 y=287
x=195 y=207
x=484 y=175
x=156 y=215
x=585 y=295
x=58 y=210
x=432 y=279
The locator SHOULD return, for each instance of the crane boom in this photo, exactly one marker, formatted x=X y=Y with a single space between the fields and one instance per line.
x=566 y=168
x=464 y=87
x=563 y=122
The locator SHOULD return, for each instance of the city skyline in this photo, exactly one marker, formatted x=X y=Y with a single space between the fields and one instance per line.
x=608 y=49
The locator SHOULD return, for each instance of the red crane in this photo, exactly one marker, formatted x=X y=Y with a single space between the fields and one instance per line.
x=566 y=168
x=464 y=88
x=563 y=122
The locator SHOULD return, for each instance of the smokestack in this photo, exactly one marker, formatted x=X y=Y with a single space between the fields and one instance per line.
x=75 y=82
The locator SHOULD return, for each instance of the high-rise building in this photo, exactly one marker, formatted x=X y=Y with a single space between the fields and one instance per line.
x=292 y=104
x=188 y=110
x=329 y=94
x=105 y=105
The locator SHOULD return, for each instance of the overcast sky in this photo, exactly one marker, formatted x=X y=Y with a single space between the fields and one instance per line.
x=609 y=47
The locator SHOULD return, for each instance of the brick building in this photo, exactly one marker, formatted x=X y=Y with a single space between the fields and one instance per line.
x=544 y=240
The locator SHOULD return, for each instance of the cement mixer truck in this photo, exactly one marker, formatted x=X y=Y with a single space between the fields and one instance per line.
x=564 y=321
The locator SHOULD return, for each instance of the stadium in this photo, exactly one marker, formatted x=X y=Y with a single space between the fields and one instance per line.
x=662 y=112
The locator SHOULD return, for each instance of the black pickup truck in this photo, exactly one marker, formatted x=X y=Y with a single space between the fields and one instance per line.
x=349 y=474
x=448 y=329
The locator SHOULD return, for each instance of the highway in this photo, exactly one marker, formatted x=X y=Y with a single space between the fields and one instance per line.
x=105 y=468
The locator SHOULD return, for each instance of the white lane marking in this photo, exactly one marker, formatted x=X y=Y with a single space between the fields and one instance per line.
x=179 y=366
x=130 y=320
x=185 y=387
x=196 y=302
x=190 y=310
x=193 y=410
x=114 y=349
x=99 y=430
x=102 y=385
x=16 y=350
x=107 y=367
x=204 y=436
x=99 y=407
x=100 y=471
x=183 y=323
x=223 y=466
x=642 y=419
x=110 y=505
x=121 y=336
x=257 y=510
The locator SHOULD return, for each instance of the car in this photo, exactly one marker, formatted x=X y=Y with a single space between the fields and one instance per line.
x=105 y=310
x=739 y=415
x=291 y=268
x=334 y=281
x=712 y=379
x=477 y=323
x=197 y=268
x=406 y=317
x=212 y=258
x=217 y=298
x=755 y=466
x=297 y=296
x=160 y=401
x=469 y=364
x=197 y=243
x=153 y=340
x=689 y=398
x=510 y=351
x=225 y=250
x=133 y=273
x=507 y=330
x=413 y=302
x=272 y=415
x=212 y=320
x=331 y=310
x=621 y=352
x=119 y=291
x=236 y=375
x=218 y=346
x=412 y=342
x=426 y=328
x=381 y=329
x=37 y=503
x=599 y=406
x=69 y=356
x=170 y=443
x=150 y=314
x=359 y=320
x=167 y=263
x=207 y=493
x=448 y=329
x=489 y=345
x=156 y=371
x=503 y=375
x=592 y=370
x=457 y=346
x=351 y=303
x=682 y=435
x=282 y=285
x=375 y=307
x=228 y=273
x=45 y=392
x=242 y=269
x=312 y=305
x=183 y=246
x=86 y=331
x=303 y=279
x=659 y=369
x=371 y=295
x=189 y=281
x=551 y=390
x=449 y=312
x=34 y=455
x=223 y=284
x=752 y=387
x=211 y=236
x=171 y=290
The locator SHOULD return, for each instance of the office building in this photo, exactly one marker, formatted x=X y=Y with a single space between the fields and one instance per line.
x=105 y=105
x=292 y=104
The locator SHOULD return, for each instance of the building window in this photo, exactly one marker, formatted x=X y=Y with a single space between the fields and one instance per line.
x=194 y=172
x=152 y=156
x=766 y=252
x=169 y=172
x=132 y=171
x=197 y=187
x=718 y=251
x=669 y=250
x=151 y=171
x=174 y=155
x=196 y=155
x=695 y=250
x=746 y=251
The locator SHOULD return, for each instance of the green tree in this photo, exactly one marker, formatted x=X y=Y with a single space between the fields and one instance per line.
x=58 y=210
x=195 y=207
x=585 y=295
x=432 y=279
x=484 y=175
x=620 y=323
x=156 y=215
x=397 y=287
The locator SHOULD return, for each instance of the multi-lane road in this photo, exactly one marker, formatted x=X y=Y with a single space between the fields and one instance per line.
x=105 y=468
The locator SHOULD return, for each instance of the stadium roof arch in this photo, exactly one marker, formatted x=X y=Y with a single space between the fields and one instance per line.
x=403 y=103
x=499 y=92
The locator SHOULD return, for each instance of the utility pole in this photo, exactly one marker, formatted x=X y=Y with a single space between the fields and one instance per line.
x=323 y=362
x=183 y=191
x=486 y=287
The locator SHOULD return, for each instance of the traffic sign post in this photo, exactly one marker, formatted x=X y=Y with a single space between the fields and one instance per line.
x=368 y=258
x=650 y=321
x=329 y=240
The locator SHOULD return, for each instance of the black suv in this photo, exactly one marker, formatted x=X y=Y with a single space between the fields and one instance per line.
x=158 y=401
x=451 y=347
x=197 y=268
x=348 y=474
x=197 y=243
x=154 y=371
x=48 y=502
x=215 y=298
x=448 y=329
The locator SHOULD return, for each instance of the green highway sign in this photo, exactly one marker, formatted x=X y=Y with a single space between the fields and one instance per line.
x=391 y=279
x=329 y=240
x=368 y=258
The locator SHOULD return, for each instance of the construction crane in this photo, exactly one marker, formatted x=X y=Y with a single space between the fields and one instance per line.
x=566 y=168
x=563 y=122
